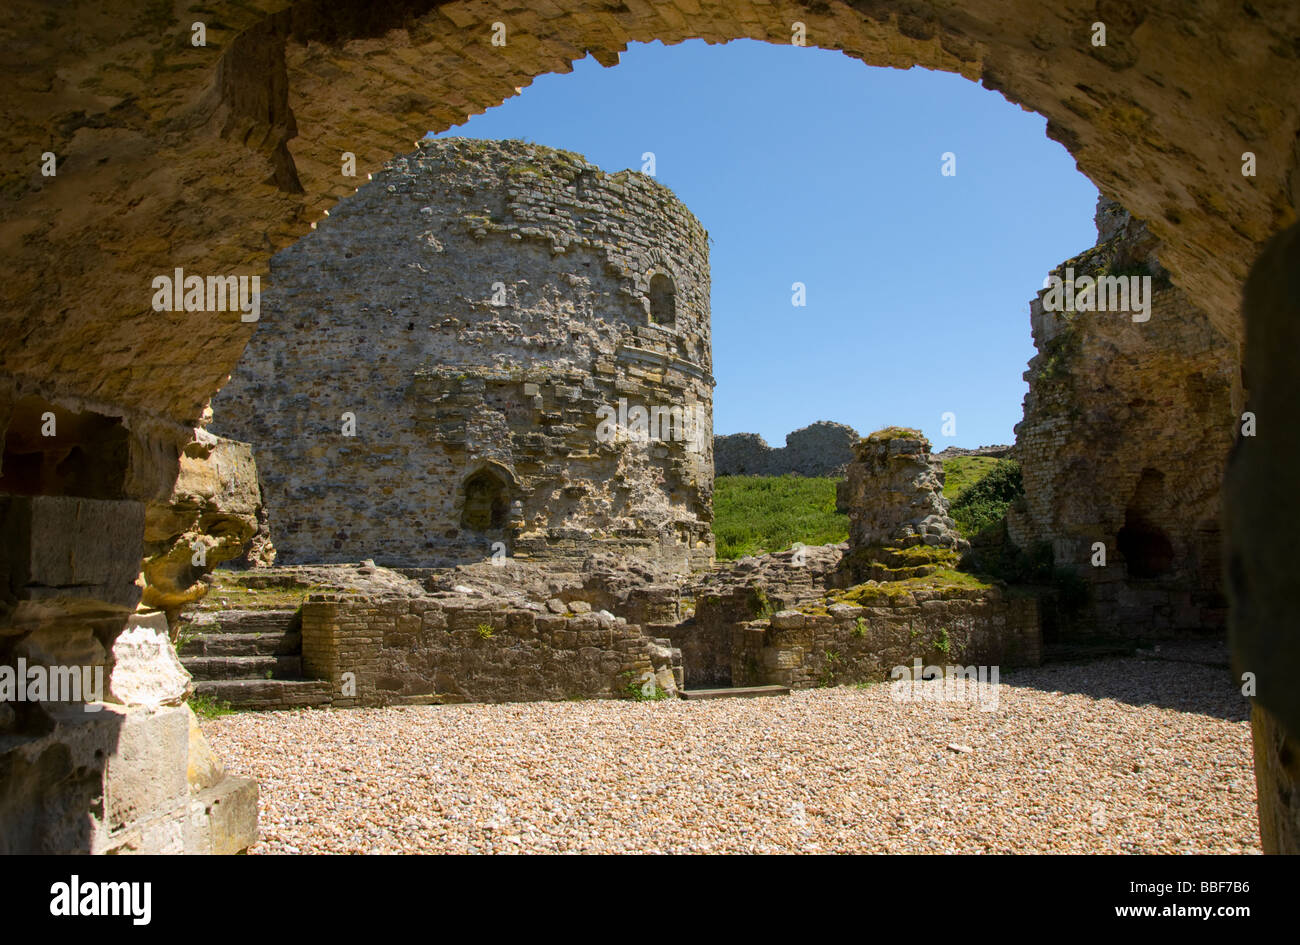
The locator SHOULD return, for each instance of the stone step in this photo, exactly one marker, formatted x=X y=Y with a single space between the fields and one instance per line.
x=244 y=621
x=243 y=667
x=735 y=692
x=267 y=693
x=288 y=643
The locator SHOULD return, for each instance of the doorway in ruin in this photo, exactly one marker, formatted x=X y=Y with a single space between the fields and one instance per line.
x=1145 y=545
x=486 y=502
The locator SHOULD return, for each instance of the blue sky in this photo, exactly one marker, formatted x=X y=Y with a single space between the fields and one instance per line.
x=808 y=166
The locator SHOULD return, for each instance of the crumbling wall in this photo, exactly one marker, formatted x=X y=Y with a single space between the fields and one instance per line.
x=898 y=517
x=1126 y=432
x=821 y=449
x=457 y=358
x=883 y=628
x=405 y=650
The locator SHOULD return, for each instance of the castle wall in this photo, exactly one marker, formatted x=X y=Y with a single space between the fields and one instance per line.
x=478 y=309
x=1126 y=431
x=820 y=449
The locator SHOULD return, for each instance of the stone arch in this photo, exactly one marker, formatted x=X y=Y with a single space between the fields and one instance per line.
x=262 y=133
x=485 y=497
x=151 y=133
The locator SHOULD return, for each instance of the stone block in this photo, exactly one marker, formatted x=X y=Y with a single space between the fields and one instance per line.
x=147 y=771
x=146 y=670
x=85 y=552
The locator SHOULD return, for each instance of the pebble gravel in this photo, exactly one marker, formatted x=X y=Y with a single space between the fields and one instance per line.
x=1115 y=756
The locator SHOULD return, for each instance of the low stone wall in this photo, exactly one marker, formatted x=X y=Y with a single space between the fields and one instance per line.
x=851 y=643
x=775 y=621
x=421 y=650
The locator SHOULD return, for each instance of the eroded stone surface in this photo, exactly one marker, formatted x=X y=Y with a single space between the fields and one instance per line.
x=213 y=515
x=1127 y=426
x=441 y=365
x=893 y=493
x=146 y=670
x=820 y=449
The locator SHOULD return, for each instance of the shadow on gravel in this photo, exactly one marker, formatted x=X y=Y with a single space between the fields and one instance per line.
x=1188 y=679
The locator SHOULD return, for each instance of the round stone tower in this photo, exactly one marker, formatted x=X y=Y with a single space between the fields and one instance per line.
x=491 y=348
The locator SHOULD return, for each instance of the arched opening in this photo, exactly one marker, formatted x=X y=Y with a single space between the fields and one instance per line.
x=1136 y=113
x=1145 y=546
x=487 y=502
x=663 y=300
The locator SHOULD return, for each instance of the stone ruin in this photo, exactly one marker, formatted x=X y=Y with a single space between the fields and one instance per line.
x=893 y=492
x=254 y=128
x=820 y=449
x=474 y=307
x=491 y=346
x=1126 y=432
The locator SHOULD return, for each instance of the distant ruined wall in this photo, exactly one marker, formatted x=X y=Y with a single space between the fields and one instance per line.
x=1126 y=432
x=822 y=449
x=473 y=309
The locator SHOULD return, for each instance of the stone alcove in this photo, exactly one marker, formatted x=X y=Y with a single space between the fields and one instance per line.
x=486 y=497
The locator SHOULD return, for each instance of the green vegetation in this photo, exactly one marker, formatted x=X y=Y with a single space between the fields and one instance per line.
x=962 y=472
x=757 y=514
x=637 y=690
x=484 y=631
x=983 y=503
x=894 y=433
x=205 y=707
x=249 y=590
x=870 y=595
x=943 y=644
x=828 y=672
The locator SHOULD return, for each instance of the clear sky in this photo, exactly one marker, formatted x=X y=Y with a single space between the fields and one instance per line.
x=808 y=166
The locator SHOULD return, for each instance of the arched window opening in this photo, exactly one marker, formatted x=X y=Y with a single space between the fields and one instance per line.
x=487 y=503
x=663 y=301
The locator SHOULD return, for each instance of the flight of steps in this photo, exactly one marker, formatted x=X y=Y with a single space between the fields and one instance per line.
x=251 y=659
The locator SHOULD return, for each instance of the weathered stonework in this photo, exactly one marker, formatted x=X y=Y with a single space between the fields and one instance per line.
x=821 y=449
x=212 y=516
x=473 y=309
x=471 y=648
x=1126 y=431
x=803 y=622
x=893 y=493
x=215 y=157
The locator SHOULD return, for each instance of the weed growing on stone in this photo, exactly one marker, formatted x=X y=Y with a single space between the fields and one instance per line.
x=637 y=690
x=485 y=632
x=832 y=658
x=205 y=707
x=943 y=644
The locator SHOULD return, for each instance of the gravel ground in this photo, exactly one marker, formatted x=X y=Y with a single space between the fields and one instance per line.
x=1115 y=756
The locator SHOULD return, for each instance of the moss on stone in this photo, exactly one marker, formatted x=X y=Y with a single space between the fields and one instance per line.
x=894 y=433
